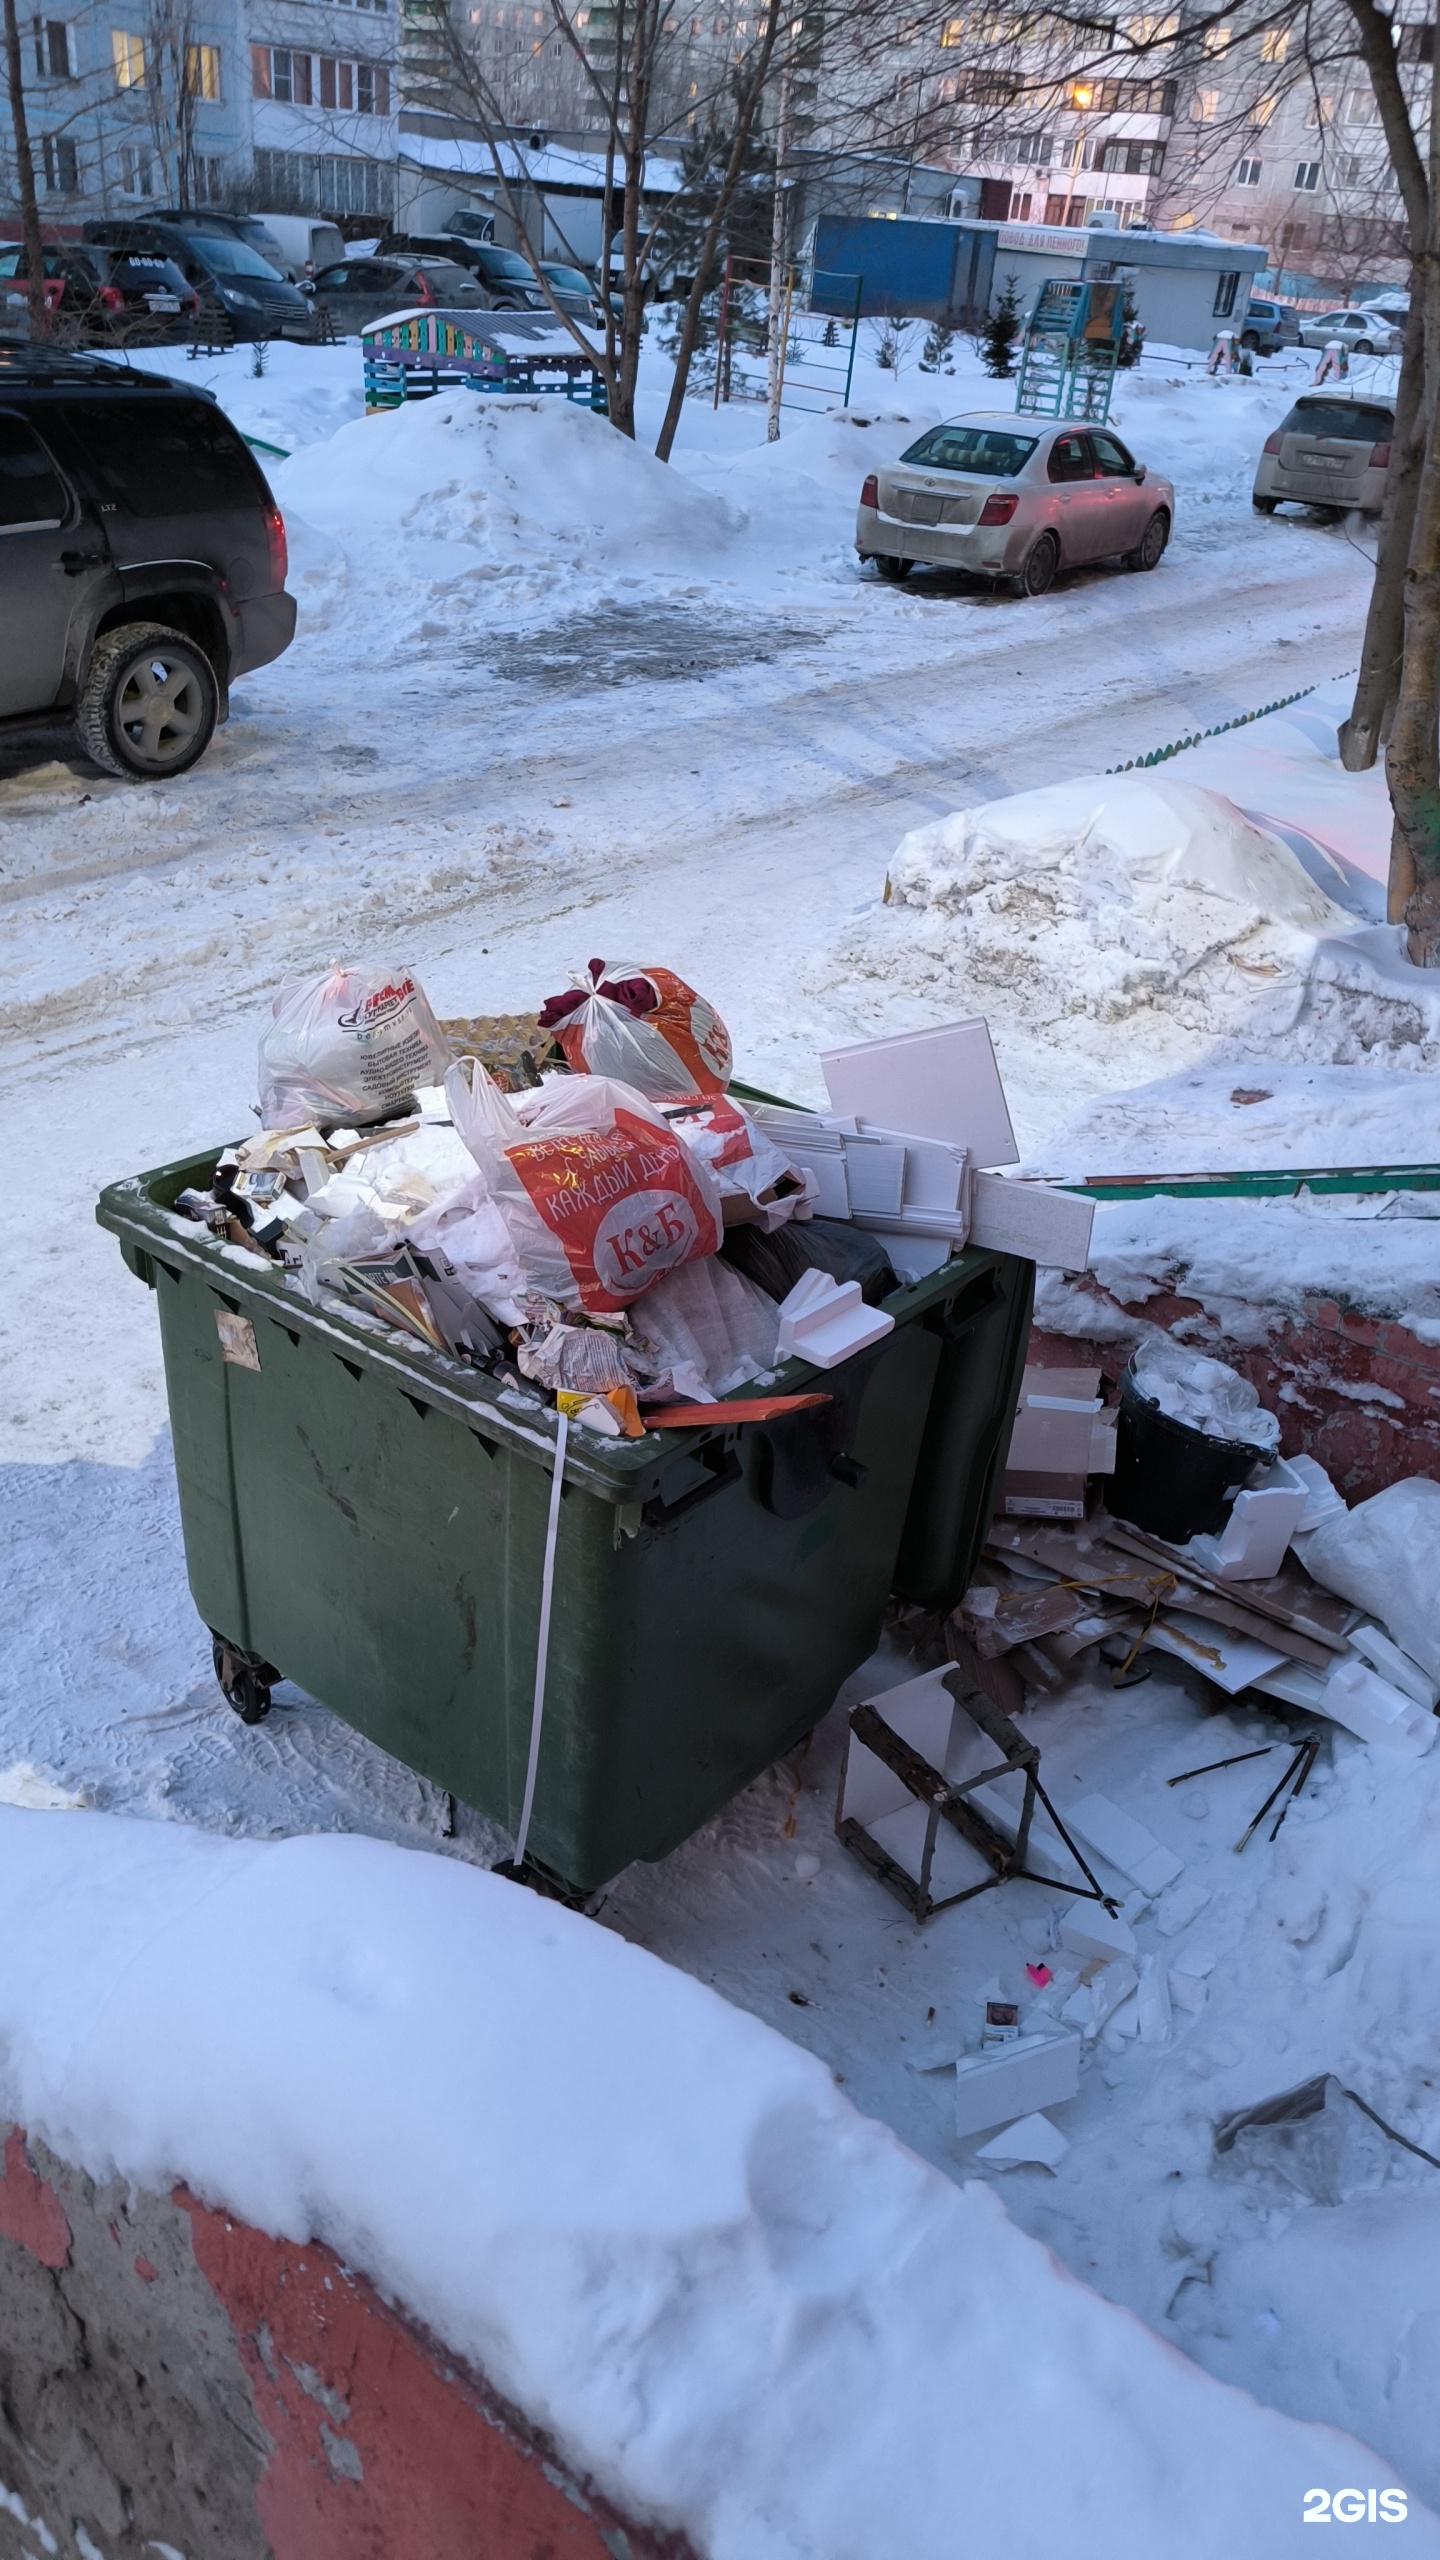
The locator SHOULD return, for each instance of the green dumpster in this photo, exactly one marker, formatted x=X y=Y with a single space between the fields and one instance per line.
x=367 y=1518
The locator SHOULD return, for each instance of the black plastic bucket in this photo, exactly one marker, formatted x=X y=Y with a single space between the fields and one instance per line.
x=1171 y=1479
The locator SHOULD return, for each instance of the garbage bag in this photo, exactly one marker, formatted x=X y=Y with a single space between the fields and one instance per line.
x=1385 y=1556
x=775 y=1262
x=351 y=1045
x=644 y=1027
x=704 y=1330
x=757 y=1184
x=1312 y=2137
x=599 y=1196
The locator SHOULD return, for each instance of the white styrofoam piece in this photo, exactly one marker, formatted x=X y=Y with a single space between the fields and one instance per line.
x=1124 y=1843
x=1385 y=1656
x=1323 y=1501
x=914 y=1256
x=935 y=1173
x=1032 y=2139
x=1296 y=1684
x=1012 y=2079
x=1263 y=1520
x=1153 y=2001
x=824 y=1321
x=954 y=1867
x=940 y=1083
x=1033 y=1219
x=1182 y=1904
x=1357 y=1698
x=1233 y=1662
x=1089 y=1930
x=922 y=1712
x=1187 y=1991
x=1093 y=2004
x=1102 y=1445
x=832 y=1198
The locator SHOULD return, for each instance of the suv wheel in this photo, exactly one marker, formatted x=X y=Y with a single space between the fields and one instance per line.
x=891 y=568
x=1249 y=339
x=149 y=703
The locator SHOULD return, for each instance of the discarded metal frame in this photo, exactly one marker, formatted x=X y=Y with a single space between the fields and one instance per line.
x=945 y=1801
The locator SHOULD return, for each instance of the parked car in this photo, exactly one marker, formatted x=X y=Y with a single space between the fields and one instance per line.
x=1362 y=333
x=228 y=277
x=1269 y=326
x=1333 y=450
x=1016 y=498
x=248 y=227
x=305 y=241
x=577 y=296
x=142 y=559
x=360 y=290
x=105 y=297
x=508 y=279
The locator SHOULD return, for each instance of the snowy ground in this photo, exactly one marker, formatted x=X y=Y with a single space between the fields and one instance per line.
x=515 y=731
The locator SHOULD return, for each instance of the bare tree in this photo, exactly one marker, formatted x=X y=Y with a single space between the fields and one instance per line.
x=25 y=176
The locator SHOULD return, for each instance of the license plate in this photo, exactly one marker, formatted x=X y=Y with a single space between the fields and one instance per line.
x=1324 y=461
x=163 y=301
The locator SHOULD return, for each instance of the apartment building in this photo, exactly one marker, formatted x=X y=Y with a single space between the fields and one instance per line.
x=1299 y=159
x=283 y=104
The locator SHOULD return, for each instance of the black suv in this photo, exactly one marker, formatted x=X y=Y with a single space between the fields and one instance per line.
x=142 y=559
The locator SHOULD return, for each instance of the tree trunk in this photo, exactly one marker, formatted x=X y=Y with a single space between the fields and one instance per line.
x=25 y=177
x=1377 y=685
x=1412 y=759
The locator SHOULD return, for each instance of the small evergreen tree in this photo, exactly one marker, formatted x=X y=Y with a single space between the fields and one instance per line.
x=935 y=355
x=1002 y=328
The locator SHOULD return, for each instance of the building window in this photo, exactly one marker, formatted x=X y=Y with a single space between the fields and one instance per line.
x=1320 y=111
x=952 y=32
x=1131 y=159
x=1204 y=106
x=1248 y=174
x=1274 y=44
x=137 y=171
x=1307 y=175
x=54 y=49
x=372 y=89
x=1217 y=39
x=1226 y=288
x=1417 y=44
x=1263 y=110
x=260 y=71
x=61 y=164
x=202 y=71
x=127 y=52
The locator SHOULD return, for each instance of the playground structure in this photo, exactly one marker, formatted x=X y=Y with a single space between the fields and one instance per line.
x=1070 y=347
x=817 y=344
x=411 y=355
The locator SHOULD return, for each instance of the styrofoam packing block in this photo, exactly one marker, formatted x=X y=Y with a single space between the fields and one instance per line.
x=1123 y=1843
x=1182 y=1904
x=1012 y=2079
x=1367 y=1706
x=1263 y=1520
x=825 y=1321
x=1031 y=2140
x=1088 y=1929
x=1152 y=2000
x=1093 y=2004
x=1386 y=1657
x=1322 y=1500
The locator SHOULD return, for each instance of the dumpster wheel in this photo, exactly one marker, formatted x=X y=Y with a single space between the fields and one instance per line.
x=245 y=1678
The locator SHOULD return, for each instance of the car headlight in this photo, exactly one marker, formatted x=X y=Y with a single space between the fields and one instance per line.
x=244 y=301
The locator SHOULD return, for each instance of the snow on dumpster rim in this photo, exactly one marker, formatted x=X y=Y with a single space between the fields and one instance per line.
x=654 y=2223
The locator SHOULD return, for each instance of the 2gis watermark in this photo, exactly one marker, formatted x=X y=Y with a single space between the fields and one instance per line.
x=1356 y=2506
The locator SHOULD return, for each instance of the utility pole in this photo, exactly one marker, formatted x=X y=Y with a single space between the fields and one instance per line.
x=779 y=298
x=25 y=176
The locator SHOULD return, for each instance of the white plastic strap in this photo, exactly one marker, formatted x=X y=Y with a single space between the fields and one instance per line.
x=542 y=1653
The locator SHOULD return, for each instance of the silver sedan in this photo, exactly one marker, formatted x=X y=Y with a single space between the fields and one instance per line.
x=1013 y=497
x=1361 y=333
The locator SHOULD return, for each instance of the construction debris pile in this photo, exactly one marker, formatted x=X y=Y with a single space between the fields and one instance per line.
x=575 y=1198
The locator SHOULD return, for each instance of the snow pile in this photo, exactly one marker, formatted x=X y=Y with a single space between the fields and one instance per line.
x=447 y=489
x=656 y=2224
x=1123 y=922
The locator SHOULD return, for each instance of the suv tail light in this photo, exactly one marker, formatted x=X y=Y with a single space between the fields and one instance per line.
x=998 y=509
x=1273 y=443
x=277 y=548
x=111 y=298
x=870 y=494
x=1379 y=457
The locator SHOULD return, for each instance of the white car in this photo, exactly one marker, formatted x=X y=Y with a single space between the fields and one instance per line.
x=1013 y=497
x=1361 y=333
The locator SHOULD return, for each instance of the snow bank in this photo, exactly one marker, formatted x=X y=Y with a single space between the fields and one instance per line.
x=455 y=484
x=656 y=2224
x=1124 y=921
